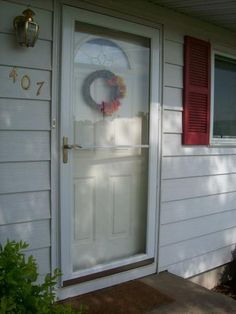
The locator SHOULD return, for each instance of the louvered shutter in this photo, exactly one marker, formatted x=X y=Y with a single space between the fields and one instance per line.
x=196 y=100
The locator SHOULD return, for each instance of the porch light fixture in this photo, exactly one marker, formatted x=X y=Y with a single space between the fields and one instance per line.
x=26 y=29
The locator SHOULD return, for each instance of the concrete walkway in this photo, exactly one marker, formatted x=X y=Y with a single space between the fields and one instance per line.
x=189 y=297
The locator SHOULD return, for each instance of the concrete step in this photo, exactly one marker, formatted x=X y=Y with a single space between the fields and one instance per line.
x=189 y=297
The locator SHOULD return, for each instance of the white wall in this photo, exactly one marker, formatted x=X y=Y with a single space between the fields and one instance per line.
x=25 y=133
x=198 y=198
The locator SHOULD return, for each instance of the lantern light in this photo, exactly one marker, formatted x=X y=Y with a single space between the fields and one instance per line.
x=26 y=29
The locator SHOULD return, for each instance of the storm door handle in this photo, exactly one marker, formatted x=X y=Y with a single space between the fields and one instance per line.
x=65 y=147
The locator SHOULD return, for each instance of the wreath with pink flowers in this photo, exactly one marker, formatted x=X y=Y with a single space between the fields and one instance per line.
x=117 y=91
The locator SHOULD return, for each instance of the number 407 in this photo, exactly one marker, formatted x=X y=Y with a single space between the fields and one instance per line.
x=25 y=81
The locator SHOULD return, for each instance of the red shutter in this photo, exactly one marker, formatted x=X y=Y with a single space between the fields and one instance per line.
x=196 y=100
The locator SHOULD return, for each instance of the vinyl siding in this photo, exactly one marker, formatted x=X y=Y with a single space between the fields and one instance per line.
x=25 y=158
x=198 y=183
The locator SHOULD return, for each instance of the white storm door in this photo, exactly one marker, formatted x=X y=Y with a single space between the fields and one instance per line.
x=109 y=130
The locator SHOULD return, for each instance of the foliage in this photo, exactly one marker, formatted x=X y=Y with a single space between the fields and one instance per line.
x=19 y=292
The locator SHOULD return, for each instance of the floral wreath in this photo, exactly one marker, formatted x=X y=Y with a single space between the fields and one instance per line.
x=117 y=87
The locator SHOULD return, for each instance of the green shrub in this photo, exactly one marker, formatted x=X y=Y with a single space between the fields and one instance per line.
x=19 y=292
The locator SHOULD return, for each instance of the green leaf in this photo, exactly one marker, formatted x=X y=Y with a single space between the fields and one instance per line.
x=19 y=291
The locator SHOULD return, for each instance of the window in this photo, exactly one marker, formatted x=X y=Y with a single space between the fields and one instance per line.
x=103 y=52
x=224 y=99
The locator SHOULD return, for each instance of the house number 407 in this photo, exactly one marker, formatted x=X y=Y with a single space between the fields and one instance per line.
x=25 y=81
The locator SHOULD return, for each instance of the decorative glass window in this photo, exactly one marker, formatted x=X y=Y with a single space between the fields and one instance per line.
x=224 y=98
x=101 y=51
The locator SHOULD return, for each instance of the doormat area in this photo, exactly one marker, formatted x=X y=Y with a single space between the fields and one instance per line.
x=134 y=297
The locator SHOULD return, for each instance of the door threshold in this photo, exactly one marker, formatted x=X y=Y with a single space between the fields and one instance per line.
x=108 y=272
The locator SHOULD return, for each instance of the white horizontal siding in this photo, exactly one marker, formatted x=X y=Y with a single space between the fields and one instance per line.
x=11 y=54
x=172 y=121
x=173 y=75
x=198 y=185
x=199 y=264
x=172 y=97
x=172 y=33
x=23 y=207
x=42 y=257
x=10 y=10
x=191 y=166
x=184 y=230
x=9 y=89
x=177 y=189
x=173 y=84
x=172 y=146
x=180 y=251
x=24 y=146
x=175 y=211
x=173 y=52
x=35 y=233
x=24 y=114
x=24 y=177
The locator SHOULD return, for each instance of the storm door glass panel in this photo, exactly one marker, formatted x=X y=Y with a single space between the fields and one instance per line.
x=110 y=164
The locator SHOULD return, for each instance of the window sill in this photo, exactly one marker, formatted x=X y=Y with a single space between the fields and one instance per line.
x=223 y=142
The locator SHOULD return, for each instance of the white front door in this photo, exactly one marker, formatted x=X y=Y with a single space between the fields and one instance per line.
x=109 y=130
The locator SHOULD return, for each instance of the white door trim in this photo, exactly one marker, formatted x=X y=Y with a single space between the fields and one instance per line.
x=69 y=16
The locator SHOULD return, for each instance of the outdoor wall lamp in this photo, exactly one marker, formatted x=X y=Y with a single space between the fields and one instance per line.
x=26 y=29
